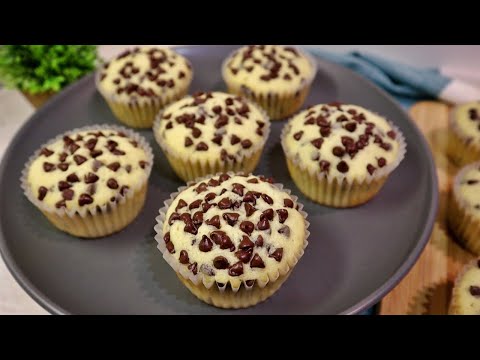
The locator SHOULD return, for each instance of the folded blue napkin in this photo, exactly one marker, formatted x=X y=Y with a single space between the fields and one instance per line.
x=407 y=83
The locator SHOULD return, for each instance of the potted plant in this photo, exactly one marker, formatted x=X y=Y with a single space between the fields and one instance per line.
x=40 y=71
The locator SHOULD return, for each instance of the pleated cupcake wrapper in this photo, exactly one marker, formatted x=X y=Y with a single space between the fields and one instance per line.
x=337 y=190
x=460 y=150
x=207 y=282
x=461 y=220
x=454 y=307
x=278 y=105
x=88 y=215
x=188 y=169
x=140 y=113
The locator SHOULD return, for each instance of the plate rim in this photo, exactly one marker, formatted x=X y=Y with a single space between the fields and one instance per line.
x=374 y=297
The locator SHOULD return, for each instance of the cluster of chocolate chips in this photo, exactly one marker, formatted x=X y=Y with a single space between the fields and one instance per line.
x=235 y=109
x=474 y=116
x=475 y=290
x=349 y=146
x=158 y=73
x=195 y=214
x=270 y=59
x=67 y=157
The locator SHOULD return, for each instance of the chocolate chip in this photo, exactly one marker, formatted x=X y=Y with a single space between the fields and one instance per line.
x=475 y=291
x=124 y=190
x=342 y=167
x=221 y=121
x=267 y=199
x=322 y=121
x=338 y=151
x=220 y=263
x=231 y=218
x=386 y=146
x=223 y=177
x=210 y=196
x=259 y=132
x=391 y=134
x=46 y=152
x=60 y=204
x=317 y=143
x=282 y=215
x=128 y=168
x=169 y=125
x=234 y=139
x=263 y=224
x=188 y=142
x=238 y=189
x=166 y=237
x=250 y=283
x=196 y=132
x=217 y=109
x=62 y=157
x=259 y=241
x=246 y=144
x=174 y=217
x=90 y=178
x=257 y=262
x=288 y=203
x=472 y=182
x=244 y=255
x=225 y=203
x=42 y=192
x=381 y=162
x=97 y=153
x=247 y=227
x=48 y=167
x=195 y=205
x=268 y=214
x=190 y=228
x=246 y=243
x=205 y=244
x=325 y=131
x=351 y=127
x=249 y=197
x=112 y=183
x=217 y=139
x=297 y=136
x=181 y=204
x=249 y=209
x=183 y=258
x=202 y=146
x=91 y=189
x=73 y=178
x=206 y=206
x=236 y=269
x=371 y=169
x=201 y=188
x=198 y=218
x=63 y=166
x=67 y=194
x=85 y=199
x=79 y=159
x=170 y=247
x=277 y=254
x=62 y=185
x=324 y=166
x=114 y=166
x=284 y=230
x=67 y=140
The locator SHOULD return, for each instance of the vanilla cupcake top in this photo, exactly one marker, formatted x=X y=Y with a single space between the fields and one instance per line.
x=237 y=229
x=269 y=68
x=211 y=126
x=467 y=290
x=143 y=74
x=341 y=140
x=468 y=189
x=86 y=169
x=466 y=118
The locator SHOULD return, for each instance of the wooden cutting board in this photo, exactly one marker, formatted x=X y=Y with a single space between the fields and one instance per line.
x=427 y=287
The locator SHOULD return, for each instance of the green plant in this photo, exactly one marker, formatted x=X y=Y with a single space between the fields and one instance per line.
x=44 y=68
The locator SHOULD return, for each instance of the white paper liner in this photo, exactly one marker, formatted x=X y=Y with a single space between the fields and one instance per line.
x=206 y=164
x=85 y=211
x=460 y=150
x=272 y=101
x=454 y=307
x=461 y=220
x=207 y=282
x=141 y=112
x=378 y=174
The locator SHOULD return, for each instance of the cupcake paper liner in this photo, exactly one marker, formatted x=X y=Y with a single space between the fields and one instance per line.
x=454 y=307
x=465 y=226
x=338 y=191
x=235 y=293
x=189 y=170
x=101 y=220
x=278 y=105
x=140 y=114
x=461 y=150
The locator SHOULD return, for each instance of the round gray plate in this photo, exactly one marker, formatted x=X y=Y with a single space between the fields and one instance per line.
x=355 y=256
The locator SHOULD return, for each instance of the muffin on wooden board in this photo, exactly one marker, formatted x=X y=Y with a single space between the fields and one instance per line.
x=466 y=291
x=464 y=138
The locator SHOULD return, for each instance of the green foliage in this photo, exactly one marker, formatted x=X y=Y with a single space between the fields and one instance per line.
x=42 y=68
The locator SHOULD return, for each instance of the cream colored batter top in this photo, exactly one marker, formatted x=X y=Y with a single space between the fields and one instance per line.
x=87 y=169
x=266 y=68
x=468 y=291
x=234 y=228
x=212 y=126
x=142 y=74
x=469 y=190
x=467 y=120
x=341 y=140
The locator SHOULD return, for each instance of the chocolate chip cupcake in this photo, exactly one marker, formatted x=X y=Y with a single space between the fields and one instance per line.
x=90 y=182
x=340 y=155
x=466 y=291
x=138 y=83
x=232 y=239
x=464 y=139
x=464 y=209
x=212 y=132
x=276 y=77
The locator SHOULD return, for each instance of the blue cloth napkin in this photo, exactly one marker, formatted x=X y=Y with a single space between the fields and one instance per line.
x=406 y=83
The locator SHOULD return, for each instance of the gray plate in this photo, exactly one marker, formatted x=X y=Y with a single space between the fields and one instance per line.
x=354 y=258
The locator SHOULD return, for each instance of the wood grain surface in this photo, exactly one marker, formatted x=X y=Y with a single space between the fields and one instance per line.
x=427 y=287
